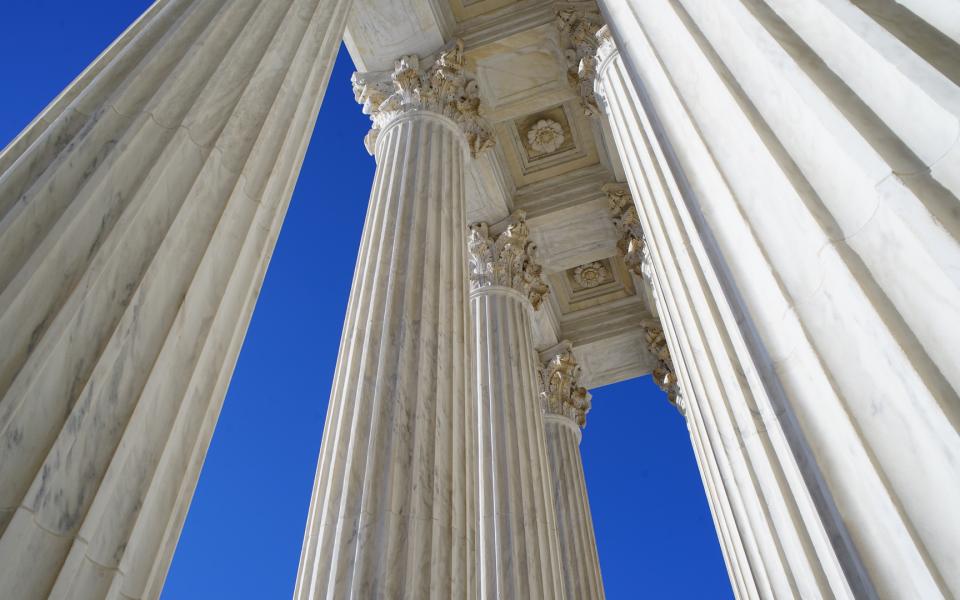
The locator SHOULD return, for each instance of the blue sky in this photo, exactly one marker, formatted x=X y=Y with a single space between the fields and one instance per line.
x=243 y=533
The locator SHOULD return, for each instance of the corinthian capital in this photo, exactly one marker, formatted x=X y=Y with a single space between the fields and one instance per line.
x=440 y=86
x=632 y=243
x=605 y=44
x=506 y=259
x=578 y=23
x=560 y=390
x=663 y=374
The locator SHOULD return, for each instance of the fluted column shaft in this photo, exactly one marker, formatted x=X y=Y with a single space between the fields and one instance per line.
x=565 y=404
x=805 y=261
x=519 y=547
x=578 y=544
x=391 y=514
x=138 y=213
x=757 y=524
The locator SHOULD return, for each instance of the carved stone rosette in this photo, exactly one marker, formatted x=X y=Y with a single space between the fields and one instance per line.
x=632 y=243
x=663 y=374
x=560 y=390
x=578 y=23
x=441 y=87
x=591 y=275
x=506 y=259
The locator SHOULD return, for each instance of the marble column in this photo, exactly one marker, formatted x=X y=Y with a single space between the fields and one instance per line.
x=794 y=167
x=138 y=213
x=393 y=512
x=519 y=553
x=565 y=405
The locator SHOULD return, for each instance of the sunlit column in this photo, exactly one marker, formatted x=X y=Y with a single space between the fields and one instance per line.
x=519 y=551
x=393 y=510
x=565 y=404
x=138 y=213
x=794 y=165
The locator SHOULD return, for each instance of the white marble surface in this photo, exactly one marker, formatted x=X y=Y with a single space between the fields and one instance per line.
x=806 y=209
x=518 y=548
x=135 y=231
x=519 y=551
x=796 y=170
x=378 y=31
x=393 y=507
x=578 y=544
x=565 y=403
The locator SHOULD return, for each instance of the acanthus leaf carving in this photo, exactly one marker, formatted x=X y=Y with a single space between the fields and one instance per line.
x=441 y=87
x=560 y=389
x=663 y=373
x=632 y=243
x=507 y=259
x=578 y=23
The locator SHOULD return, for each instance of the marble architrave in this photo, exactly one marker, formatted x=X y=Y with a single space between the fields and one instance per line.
x=804 y=259
x=138 y=213
x=394 y=500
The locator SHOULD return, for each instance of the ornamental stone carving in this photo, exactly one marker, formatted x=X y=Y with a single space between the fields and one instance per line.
x=578 y=23
x=560 y=390
x=663 y=374
x=591 y=275
x=545 y=136
x=632 y=243
x=506 y=259
x=441 y=87
x=605 y=45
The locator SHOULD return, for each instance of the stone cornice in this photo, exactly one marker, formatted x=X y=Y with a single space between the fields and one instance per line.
x=632 y=243
x=439 y=86
x=560 y=390
x=506 y=259
x=578 y=23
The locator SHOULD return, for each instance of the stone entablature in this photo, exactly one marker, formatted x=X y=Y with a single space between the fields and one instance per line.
x=441 y=87
x=507 y=259
x=560 y=390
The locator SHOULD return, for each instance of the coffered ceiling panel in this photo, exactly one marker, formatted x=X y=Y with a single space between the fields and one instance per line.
x=545 y=144
x=520 y=74
x=550 y=160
